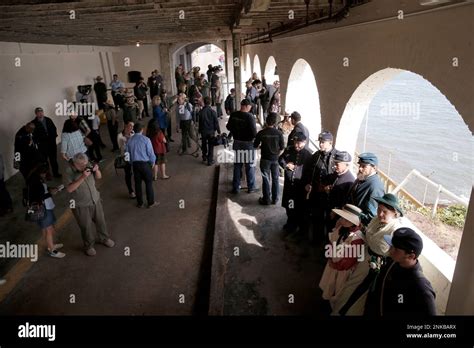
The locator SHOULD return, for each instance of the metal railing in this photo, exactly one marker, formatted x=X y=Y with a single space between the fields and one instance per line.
x=393 y=187
x=439 y=189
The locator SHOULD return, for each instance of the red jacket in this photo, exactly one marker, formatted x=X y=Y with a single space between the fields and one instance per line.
x=158 y=142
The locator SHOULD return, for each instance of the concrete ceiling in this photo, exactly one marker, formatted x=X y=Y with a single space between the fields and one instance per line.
x=124 y=22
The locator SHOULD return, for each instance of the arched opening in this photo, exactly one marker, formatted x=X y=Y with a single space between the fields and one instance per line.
x=384 y=116
x=256 y=67
x=271 y=73
x=198 y=54
x=207 y=54
x=302 y=96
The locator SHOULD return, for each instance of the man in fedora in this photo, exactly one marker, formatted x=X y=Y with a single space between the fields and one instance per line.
x=367 y=186
x=402 y=289
x=100 y=90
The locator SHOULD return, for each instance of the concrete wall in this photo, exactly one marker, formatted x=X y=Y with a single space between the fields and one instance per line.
x=423 y=43
x=144 y=59
x=46 y=75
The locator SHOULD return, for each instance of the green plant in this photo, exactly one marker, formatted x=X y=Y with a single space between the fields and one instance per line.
x=454 y=215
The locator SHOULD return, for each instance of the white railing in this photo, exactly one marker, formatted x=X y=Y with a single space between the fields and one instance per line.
x=439 y=187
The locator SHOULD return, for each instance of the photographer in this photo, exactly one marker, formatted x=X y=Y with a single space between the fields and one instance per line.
x=140 y=91
x=86 y=202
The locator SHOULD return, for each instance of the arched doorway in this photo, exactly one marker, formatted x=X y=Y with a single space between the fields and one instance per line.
x=403 y=119
x=302 y=96
x=256 y=67
x=271 y=71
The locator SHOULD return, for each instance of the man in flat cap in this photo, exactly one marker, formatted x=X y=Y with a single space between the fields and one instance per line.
x=367 y=186
x=401 y=289
x=341 y=182
x=293 y=160
x=317 y=176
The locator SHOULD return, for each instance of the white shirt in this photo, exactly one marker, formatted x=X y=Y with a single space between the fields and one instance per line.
x=48 y=202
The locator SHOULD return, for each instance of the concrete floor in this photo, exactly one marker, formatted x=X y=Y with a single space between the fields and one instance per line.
x=166 y=250
x=171 y=250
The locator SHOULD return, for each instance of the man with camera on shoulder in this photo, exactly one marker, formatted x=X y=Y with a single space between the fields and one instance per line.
x=85 y=202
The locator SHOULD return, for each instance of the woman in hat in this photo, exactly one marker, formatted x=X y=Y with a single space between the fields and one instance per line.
x=343 y=252
x=351 y=299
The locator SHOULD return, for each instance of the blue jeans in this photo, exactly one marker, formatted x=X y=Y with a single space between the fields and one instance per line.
x=244 y=155
x=269 y=171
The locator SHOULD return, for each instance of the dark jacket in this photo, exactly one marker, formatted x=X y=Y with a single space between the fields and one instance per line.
x=35 y=190
x=294 y=186
x=272 y=143
x=100 y=90
x=341 y=184
x=44 y=136
x=362 y=193
x=229 y=104
x=29 y=154
x=319 y=170
x=140 y=91
x=208 y=122
x=242 y=126
x=299 y=128
x=406 y=293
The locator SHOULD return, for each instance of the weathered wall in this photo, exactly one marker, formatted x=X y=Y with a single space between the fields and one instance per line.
x=48 y=74
x=424 y=44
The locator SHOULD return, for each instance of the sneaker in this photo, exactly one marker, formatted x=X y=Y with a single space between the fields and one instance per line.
x=90 y=252
x=58 y=246
x=56 y=254
x=165 y=177
x=108 y=243
x=154 y=204
x=132 y=195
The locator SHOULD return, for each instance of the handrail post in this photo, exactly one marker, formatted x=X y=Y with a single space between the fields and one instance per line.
x=435 y=206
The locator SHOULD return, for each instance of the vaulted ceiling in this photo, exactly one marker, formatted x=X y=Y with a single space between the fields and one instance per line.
x=124 y=22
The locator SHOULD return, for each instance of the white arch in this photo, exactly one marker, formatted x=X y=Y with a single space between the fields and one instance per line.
x=302 y=96
x=270 y=76
x=256 y=66
x=357 y=107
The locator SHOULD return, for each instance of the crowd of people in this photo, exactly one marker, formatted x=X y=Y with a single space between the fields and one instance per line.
x=370 y=251
x=324 y=202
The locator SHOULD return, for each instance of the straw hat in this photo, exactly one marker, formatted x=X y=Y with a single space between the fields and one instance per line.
x=350 y=213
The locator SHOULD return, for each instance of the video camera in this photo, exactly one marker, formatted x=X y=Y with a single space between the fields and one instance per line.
x=221 y=139
x=216 y=69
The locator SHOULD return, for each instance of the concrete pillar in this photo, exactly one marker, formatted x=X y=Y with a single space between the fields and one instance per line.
x=236 y=64
x=461 y=301
x=166 y=69
x=229 y=63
